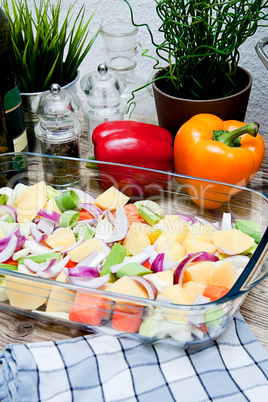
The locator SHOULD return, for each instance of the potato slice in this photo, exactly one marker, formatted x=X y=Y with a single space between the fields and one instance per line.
x=26 y=293
x=111 y=199
x=232 y=241
x=136 y=239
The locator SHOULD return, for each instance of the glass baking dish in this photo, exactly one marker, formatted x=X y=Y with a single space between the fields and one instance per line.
x=101 y=311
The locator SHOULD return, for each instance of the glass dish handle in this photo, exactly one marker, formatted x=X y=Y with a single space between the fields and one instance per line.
x=260 y=52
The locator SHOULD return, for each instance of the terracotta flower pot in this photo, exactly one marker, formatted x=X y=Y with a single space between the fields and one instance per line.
x=172 y=112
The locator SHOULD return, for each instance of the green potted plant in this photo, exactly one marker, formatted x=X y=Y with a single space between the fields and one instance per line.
x=198 y=56
x=48 y=49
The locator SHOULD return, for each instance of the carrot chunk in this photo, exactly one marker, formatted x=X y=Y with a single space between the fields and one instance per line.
x=215 y=292
x=88 y=309
x=125 y=321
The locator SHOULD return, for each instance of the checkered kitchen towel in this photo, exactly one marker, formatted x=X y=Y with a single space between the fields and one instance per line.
x=103 y=368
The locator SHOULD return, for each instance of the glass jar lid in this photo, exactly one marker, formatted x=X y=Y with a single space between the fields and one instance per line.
x=56 y=108
x=103 y=89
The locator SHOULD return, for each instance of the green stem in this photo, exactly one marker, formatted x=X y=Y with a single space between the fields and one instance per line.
x=229 y=137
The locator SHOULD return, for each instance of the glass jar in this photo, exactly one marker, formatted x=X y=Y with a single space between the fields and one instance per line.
x=121 y=46
x=104 y=102
x=58 y=131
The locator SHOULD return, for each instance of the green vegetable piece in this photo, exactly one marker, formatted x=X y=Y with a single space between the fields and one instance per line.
x=41 y=257
x=10 y=267
x=67 y=201
x=116 y=256
x=9 y=219
x=3 y=199
x=150 y=217
x=52 y=192
x=221 y=256
x=151 y=325
x=250 y=228
x=69 y=219
x=133 y=268
x=92 y=165
x=251 y=250
x=84 y=230
x=151 y=205
x=213 y=317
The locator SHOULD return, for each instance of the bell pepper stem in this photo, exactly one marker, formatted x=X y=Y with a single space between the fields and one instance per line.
x=229 y=137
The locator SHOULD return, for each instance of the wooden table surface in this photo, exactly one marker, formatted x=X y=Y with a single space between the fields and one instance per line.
x=15 y=328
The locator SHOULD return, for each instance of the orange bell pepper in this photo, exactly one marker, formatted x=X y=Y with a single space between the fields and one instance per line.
x=225 y=151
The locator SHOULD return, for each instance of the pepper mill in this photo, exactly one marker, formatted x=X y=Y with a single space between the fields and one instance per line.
x=59 y=130
x=104 y=102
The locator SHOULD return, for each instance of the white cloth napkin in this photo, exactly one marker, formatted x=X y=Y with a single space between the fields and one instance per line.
x=105 y=368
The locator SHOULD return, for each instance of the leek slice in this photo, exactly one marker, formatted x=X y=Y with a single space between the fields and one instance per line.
x=249 y=227
x=3 y=199
x=52 y=192
x=116 y=256
x=67 y=201
x=69 y=219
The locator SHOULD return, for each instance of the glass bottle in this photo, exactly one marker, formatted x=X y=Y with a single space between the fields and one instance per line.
x=121 y=47
x=13 y=137
x=59 y=131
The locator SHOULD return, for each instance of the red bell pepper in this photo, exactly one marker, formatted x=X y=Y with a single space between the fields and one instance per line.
x=137 y=144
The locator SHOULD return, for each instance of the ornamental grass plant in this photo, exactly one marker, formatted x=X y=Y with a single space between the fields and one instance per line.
x=200 y=43
x=46 y=49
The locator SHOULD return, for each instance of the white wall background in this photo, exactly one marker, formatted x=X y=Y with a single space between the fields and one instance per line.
x=144 y=11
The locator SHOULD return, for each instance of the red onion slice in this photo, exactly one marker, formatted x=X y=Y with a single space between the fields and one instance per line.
x=120 y=227
x=53 y=269
x=179 y=272
x=108 y=214
x=225 y=251
x=205 y=256
x=206 y=222
x=105 y=248
x=36 y=248
x=11 y=210
x=88 y=259
x=226 y=223
x=192 y=257
x=37 y=267
x=84 y=272
x=169 y=264
x=21 y=240
x=149 y=287
x=51 y=215
x=9 y=249
x=187 y=218
x=37 y=234
x=91 y=208
x=93 y=260
x=15 y=231
x=46 y=226
x=90 y=222
x=89 y=282
x=157 y=265
x=150 y=250
x=100 y=257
